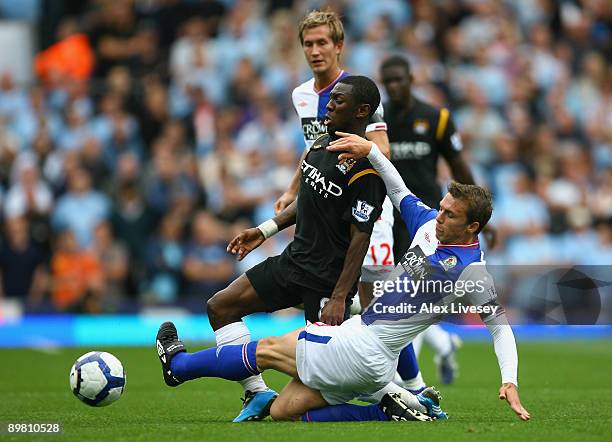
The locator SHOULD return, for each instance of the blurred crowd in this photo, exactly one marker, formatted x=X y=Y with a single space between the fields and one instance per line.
x=158 y=129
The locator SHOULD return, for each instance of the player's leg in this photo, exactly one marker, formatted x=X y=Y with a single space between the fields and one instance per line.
x=231 y=304
x=295 y=400
x=409 y=398
x=444 y=345
x=409 y=370
x=417 y=344
x=278 y=353
x=427 y=401
x=300 y=402
x=231 y=362
x=262 y=288
x=225 y=312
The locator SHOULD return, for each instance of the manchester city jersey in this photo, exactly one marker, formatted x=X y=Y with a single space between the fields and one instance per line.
x=333 y=196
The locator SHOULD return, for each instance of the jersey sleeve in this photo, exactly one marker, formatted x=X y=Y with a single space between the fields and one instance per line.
x=480 y=291
x=415 y=213
x=447 y=136
x=377 y=121
x=366 y=192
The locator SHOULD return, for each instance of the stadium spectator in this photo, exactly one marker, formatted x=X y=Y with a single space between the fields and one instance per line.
x=207 y=267
x=164 y=259
x=133 y=221
x=22 y=264
x=81 y=208
x=29 y=195
x=78 y=280
x=114 y=262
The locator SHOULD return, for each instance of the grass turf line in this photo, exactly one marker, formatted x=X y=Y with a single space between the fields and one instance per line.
x=566 y=386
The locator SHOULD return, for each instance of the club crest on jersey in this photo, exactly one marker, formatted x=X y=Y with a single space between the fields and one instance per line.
x=345 y=166
x=420 y=126
x=448 y=263
x=362 y=211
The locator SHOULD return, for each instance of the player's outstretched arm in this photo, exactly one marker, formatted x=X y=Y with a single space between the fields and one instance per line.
x=355 y=147
x=494 y=317
x=507 y=358
x=249 y=239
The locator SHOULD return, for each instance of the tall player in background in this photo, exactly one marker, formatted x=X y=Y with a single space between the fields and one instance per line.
x=322 y=37
x=419 y=135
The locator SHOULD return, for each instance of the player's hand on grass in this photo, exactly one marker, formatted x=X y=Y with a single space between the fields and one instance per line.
x=247 y=241
x=332 y=313
x=353 y=146
x=509 y=392
x=283 y=201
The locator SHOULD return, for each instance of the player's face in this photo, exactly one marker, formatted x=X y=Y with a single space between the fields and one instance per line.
x=319 y=48
x=340 y=109
x=397 y=83
x=452 y=225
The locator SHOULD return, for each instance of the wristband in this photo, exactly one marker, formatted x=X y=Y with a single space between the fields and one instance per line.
x=374 y=148
x=268 y=228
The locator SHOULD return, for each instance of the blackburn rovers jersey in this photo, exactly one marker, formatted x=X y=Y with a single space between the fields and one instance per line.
x=431 y=280
x=310 y=106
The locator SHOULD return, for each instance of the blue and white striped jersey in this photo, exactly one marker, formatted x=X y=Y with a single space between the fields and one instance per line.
x=310 y=106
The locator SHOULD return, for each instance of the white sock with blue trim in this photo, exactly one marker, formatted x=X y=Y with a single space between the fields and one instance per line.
x=238 y=333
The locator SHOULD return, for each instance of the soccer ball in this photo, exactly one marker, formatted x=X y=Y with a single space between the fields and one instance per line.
x=97 y=378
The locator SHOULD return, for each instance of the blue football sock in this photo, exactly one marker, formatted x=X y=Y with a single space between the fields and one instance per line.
x=231 y=362
x=345 y=413
x=407 y=365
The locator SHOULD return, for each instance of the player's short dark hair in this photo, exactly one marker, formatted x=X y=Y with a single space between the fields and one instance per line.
x=322 y=18
x=396 y=61
x=478 y=199
x=365 y=91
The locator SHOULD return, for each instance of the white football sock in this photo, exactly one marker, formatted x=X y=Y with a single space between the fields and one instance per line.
x=415 y=383
x=438 y=339
x=409 y=398
x=234 y=334
x=417 y=344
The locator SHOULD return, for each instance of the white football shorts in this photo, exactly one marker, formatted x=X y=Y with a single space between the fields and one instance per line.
x=343 y=362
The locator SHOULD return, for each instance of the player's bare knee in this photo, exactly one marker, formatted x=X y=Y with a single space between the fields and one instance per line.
x=213 y=307
x=220 y=311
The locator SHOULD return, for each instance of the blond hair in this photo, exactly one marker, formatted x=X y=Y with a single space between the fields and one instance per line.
x=320 y=18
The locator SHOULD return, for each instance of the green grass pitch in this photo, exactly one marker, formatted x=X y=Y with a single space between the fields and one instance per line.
x=566 y=386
